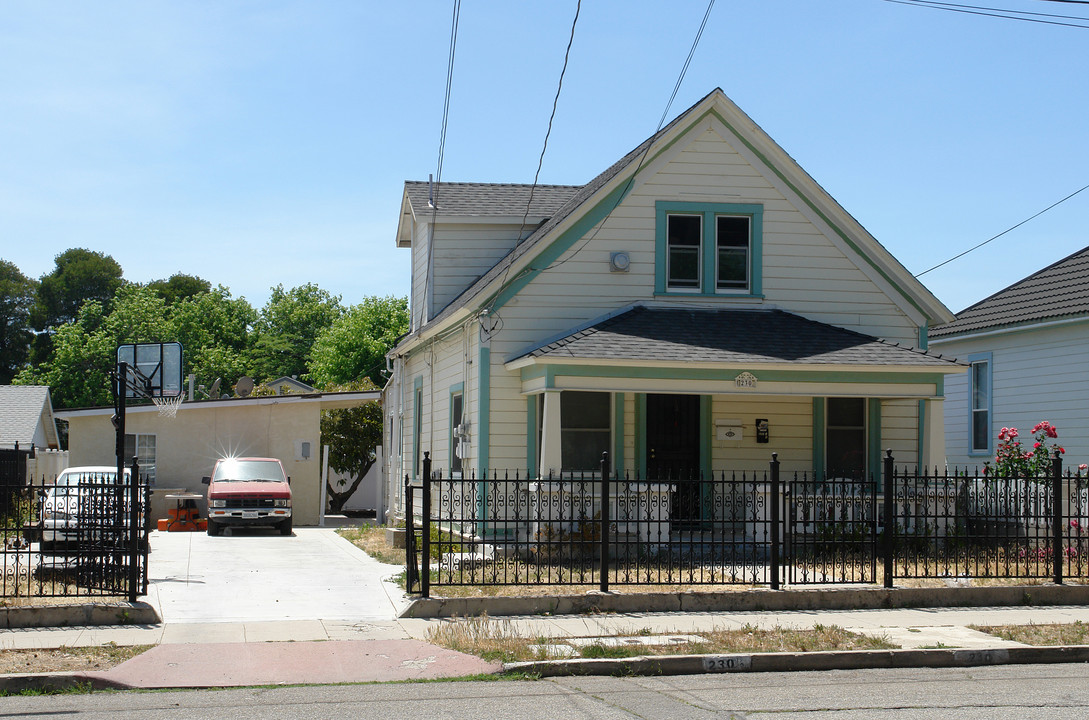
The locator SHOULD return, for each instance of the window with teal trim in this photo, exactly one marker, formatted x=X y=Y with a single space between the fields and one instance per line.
x=708 y=248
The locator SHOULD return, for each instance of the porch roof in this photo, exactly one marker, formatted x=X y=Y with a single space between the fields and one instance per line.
x=734 y=337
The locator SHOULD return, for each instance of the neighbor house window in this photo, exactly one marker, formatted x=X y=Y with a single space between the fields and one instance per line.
x=417 y=429
x=142 y=447
x=585 y=429
x=708 y=248
x=845 y=437
x=458 y=438
x=981 y=405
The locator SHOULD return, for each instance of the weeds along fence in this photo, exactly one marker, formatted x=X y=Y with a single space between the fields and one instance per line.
x=763 y=527
x=78 y=535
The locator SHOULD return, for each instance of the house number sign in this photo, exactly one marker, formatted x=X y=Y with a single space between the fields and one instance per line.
x=745 y=380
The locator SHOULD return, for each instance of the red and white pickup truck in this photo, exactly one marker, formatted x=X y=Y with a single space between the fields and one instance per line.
x=248 y=491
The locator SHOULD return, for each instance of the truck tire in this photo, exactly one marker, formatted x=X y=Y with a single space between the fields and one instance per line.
x=285 y=527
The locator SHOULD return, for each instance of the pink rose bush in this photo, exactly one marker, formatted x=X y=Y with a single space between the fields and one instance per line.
x=1013 y=460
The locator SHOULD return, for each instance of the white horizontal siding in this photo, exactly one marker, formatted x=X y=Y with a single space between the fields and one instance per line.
x=1036 y=375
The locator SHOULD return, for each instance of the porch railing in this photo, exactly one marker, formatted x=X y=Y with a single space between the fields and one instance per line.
x=758 y=528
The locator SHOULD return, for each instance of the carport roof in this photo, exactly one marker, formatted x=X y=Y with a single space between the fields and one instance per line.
x=731 y=337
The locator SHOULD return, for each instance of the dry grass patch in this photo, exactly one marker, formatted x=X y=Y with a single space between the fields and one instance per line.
x=500 y=640
x=371 y=539
x=67 y=659
x=1076 y=633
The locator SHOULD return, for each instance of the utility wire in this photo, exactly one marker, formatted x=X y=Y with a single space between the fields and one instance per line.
x=944 y=5
x=643 y=158
x=540 y=161
x=555 y=102
x=442 y=150
x=994 y=12
x=955 y=257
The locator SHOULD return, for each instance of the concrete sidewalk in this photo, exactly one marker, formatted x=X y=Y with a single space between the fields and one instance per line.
x=303 y=652
x=259 y=610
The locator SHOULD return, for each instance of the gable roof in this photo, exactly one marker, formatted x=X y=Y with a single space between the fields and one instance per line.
x=1060 y=290
x=745 y=337
x=750 y=135
x=26 y=413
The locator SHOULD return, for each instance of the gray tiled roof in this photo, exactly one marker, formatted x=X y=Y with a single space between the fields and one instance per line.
x=1059 y=290
x=736 y=337
x=489 y=199
x=21 y=409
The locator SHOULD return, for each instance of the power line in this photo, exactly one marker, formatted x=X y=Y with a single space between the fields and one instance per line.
x=642 y=159
x=442 y=150
x=1009 y=229
x=1023 y=16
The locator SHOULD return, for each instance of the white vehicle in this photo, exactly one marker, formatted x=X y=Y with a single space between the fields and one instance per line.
x=83 y=504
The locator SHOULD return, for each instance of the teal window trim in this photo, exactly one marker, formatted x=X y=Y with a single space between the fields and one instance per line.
x=618 y=433
x=641 y=434
x=531 y=435
x=818 y=436
x=484 y=393
x=709 y=211
x=973 y=360
x=873 y=440
x=417 y=424
x=921 y=436
x=924 y=336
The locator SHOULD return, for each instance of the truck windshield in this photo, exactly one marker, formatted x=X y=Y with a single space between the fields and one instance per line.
x=249 y=471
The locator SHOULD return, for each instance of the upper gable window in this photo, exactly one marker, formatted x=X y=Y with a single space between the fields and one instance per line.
x=708 y=248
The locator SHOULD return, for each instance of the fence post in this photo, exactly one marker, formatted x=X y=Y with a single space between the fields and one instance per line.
x=135 y=530
x=603 y=581
x=888 y=546
x=412 y=570
x=425 y=513
x=1057 y=517
x=774 y=498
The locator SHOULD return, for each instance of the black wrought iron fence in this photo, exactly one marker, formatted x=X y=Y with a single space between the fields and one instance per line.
x=80 y=534
x=745 y=528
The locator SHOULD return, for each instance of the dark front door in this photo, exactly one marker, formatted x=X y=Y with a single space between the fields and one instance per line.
x=673 y=451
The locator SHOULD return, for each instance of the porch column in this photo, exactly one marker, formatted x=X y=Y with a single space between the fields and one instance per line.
x=932 y=454
x=551 y=456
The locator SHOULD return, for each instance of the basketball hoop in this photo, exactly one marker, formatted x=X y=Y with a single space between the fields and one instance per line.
x=168 y=406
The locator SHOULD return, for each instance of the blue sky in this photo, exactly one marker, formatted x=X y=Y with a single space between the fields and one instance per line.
x=262 y=142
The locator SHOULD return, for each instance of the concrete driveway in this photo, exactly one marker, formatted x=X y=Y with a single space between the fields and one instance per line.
x=261 y=576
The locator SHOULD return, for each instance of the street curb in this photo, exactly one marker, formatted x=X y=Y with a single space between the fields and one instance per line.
x=799 y=662
x=839 y=598
x=138 y=613
x=15 y=683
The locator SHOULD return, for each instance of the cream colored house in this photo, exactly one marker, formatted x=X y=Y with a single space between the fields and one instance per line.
x=698 y=306
x=176 y=452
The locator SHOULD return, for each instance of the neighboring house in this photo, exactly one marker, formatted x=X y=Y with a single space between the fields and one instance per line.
x=698 y=306
x=1027 y=347
x=176 y=452
x=26 y=417
x=285 y=385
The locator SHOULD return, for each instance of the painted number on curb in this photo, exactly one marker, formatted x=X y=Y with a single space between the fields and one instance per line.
x=727 y=663
x=981 y=657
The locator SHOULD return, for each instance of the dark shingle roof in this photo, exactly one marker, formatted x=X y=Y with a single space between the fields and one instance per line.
x=1059 y=290
x=489 y=199
x=745 y=337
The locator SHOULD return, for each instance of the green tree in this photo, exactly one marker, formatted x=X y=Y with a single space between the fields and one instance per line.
x=353 y=436
x=287 y=327
x=179 y=286
x=79 y=276
x=215 y=331
x=17 y=293
x=78 y=368
x=354 y=347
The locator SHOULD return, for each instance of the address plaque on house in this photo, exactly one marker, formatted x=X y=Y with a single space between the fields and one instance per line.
x=745 y=380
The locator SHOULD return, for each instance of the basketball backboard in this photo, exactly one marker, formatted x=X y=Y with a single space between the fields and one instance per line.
x=158 y=369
